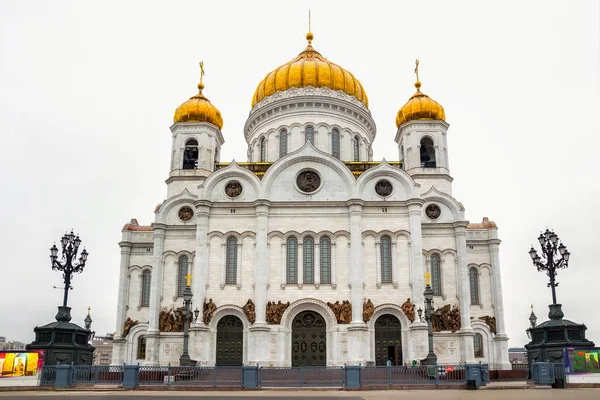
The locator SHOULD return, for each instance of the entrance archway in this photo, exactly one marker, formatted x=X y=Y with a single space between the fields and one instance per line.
x=388 y=340
x=309 y=340
x=230 y=341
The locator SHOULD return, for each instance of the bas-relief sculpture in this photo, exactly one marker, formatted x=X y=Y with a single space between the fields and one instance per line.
x=368 y=310
x=172 y=320
x=250 y=311
x=208 y=311
x=409 y=310
x=490 y=321
x=446 y=318
x=129 y=323
x=275 y=312
x=342 y=312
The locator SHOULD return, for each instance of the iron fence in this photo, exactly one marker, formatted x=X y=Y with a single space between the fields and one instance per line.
x=149 y=375
x=412 y=375
x=301 y=376
x=97 y=374
x=48 y=375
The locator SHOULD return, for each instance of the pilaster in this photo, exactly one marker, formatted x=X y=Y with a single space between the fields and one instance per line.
x=466 y=332
x=201 y=259
x=415 y=207
x=152 y=341
x=501 y=339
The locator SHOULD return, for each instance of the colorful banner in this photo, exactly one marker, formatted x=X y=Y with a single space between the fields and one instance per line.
x=582 y=361
x=20 y=363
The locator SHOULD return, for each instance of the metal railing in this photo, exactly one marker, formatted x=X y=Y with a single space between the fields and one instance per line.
x=192 y=376
x=409 y=375
x=301 y=376
x=97 y=374
x=48 y=375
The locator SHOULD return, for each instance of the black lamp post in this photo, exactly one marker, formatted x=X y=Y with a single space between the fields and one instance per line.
x=70 y=244
x=431 y=358
x=184 y=360
x=555 y=256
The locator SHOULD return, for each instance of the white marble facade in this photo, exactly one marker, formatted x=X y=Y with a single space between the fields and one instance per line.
x=345 y=209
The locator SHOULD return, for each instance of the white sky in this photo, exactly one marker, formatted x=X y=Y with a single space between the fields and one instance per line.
x=88 y=90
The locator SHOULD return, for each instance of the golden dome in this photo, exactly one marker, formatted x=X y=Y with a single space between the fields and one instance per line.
x=198 y=109
x=420 y=106
x=310 y=68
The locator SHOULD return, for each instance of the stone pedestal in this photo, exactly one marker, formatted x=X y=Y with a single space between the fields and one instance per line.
x=417 y=343
x=258 y=344
x=200 y=348
x=358 y=344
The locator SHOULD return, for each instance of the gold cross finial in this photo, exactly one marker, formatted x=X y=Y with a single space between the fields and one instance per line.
x=427 y=278
x=201 y=71
x=89 y=309
x=417 y=69
x=532 y=308
x=189 y=279
x=309 y=19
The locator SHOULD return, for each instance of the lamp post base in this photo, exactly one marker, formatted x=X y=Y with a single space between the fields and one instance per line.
x=185 y=360
x=431 y=359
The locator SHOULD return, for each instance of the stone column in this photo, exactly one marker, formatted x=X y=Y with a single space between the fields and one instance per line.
x=258 y=337
x=118 y=355
x=501 y=339
x=152 y=336
x=358 y=335
x=466 y=332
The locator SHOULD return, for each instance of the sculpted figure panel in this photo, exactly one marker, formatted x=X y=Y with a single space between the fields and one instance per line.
x=342 y=312
x=173 y=320
x=490 y=321
x=368 y=310
x=409 y=310
x=446 y=318
x=128 y=325
x=250 y=311
x=275 y=311
x=208 y=311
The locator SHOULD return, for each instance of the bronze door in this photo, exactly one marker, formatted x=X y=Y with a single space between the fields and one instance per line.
x=309 y=340
x=388 y=340
x=230 y=341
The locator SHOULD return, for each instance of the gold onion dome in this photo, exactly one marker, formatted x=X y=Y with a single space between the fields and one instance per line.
x=310 y=68
x=198 y=109
x=420 y=106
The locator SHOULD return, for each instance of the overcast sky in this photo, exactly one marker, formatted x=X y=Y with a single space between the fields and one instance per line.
x=88 y=91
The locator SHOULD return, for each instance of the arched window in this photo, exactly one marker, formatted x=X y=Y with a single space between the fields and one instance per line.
x=146 y=279
x=181 y=274
x=386 y=259
x=308 y=262
x=474 y=286
x=190 y=154
x=263 y=150
x=283 y=137
x=436 y=275
x=292 y=261
x=356 y=145
x=309 y=134
x=478 y=345
x=325 y=255
x=141 y=348
x=427 y=153
x=335 y=143
x=231 y=261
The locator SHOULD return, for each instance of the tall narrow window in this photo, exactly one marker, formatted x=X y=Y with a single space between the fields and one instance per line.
x=474 y=286
x=478 y=345
x=309 y=132
x=436 y=275
x=335 y=143
x=356 y=145
x=190 y=154
x=263 y=150
x=292 y=261
x=231 y=261
x=181 y=273
x=325 y=255
x=283 y=136
x=427 y=153
x=386 y=259
x=146 y=279
x=141 y=348
x=309 y=260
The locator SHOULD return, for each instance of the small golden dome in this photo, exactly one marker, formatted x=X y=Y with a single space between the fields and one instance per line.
x=198 y=109
x=420 y=106
x=310 y=68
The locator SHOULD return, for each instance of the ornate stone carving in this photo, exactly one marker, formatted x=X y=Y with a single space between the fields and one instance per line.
x=342 y=312
x=186 y=213
x=409 y=310
x=129 y=323
x=383 y=188
x=433 y=211
x=446 y=318
x=490 y=321
x=208 y=311
x=250 y=311
x=275 y=311
x=308 y=181
x=233 y=189
x=368 y=310
x=172 y=320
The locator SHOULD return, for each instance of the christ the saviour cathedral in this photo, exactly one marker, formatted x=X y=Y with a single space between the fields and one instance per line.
x=310 y=253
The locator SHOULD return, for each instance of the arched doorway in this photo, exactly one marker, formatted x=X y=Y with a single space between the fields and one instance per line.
x=309 y=340
x=388 y=340
x=230 y=341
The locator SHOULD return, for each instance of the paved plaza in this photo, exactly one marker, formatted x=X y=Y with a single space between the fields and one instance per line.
x=517 y=394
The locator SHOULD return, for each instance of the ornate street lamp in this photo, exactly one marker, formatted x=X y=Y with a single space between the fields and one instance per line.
x=431 y=358
x=184 y=360
x=70 y=244
x=555 y=256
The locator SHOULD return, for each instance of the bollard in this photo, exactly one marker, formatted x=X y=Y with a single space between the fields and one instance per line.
x=131 y=376
x=64 y=375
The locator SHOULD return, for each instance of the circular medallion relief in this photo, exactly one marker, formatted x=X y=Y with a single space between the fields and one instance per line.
x=233 y=189
x=186 y=213
x=433 y=211
x=384 y=188
x=308 y=181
